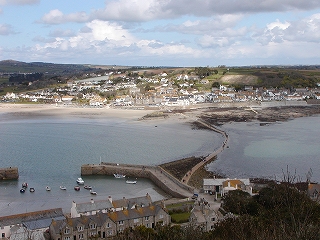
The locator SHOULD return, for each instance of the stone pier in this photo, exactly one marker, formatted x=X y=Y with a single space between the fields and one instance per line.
x=10 y=173
x=156 y=174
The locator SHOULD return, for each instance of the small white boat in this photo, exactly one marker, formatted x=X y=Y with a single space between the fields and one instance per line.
x=117 y=175
x=131 y=182
x=87 y=187
x=93 y=192
x=80 y=180
x=63 y=188
x=48 y=188
x=31 y=189
x=24 y=185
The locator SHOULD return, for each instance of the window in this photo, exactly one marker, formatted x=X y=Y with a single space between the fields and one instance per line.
x=80 y=228
x=110 y=232
x=81 y=236
x=146 y=218
x=66 y=231
x=213 y=219
x=93 y=226
x=121 y=222
x=161 y=216
x=108 y=225
x=136 y=220
x=147 y=225
x=66 y=238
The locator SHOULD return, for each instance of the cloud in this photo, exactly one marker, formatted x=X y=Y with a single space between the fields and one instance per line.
x=304 y=30
x=141 y=10
x=61 y=33
x=6 y=29
x=138 y=10
x=57 y=17
x=18 y=2
x=103 y=39
x=213 y=25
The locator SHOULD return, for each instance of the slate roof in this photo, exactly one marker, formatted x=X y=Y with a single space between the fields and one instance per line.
x=135 y=213
x=131 y=202
x=32 y=219
x=73 y=223
x=93 y=206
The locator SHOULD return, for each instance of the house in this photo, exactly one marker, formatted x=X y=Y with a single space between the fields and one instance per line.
x=221 y=186
x=84 y=227
x=30 y=225
x=105 y=225
x=203 y=216
x=314 y=191
x=108 y=205
x=148 y=216
x=131 y=203
x=90 y=208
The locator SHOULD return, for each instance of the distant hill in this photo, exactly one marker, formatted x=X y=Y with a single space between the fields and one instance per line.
x=12 y=66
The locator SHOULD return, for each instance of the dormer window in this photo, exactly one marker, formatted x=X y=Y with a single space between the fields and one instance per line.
x=80 y=228
x=93 y=226
x=66 y=231
x=146 y=218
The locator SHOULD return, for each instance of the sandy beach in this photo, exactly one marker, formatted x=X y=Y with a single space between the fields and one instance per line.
x=25 y=110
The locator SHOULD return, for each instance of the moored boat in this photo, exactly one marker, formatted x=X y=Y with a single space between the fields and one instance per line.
x=22 y=190
x=117 y=175
x=87 y=187
x=131 y=182
x=93 y=192
x=31 y=189
x=24 y=185
x=48 y=188
x=80 y=180
x=77 y=188
x=63 y=188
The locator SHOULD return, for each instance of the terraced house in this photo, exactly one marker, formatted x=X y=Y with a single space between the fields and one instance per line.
x=105 y=225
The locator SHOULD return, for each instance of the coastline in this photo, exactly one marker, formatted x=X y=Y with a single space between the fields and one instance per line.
x=34 y=110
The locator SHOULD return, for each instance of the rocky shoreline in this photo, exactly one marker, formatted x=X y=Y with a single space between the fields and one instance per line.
x=220 y=116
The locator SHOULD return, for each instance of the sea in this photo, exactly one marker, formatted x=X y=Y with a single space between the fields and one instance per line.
x=49 y=151
x=274 y=151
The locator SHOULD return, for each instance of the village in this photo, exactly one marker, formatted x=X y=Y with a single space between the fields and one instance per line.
x=103 y=219
x=118 y=89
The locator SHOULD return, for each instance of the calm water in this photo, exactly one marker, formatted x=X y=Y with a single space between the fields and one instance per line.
x=50 y=151
x=267 y=151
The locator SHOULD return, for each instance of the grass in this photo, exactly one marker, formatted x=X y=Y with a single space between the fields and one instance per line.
x=178 y=205
x=180 y=217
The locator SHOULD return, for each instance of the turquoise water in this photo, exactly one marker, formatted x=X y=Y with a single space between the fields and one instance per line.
x=49 y=151
x=269 y=150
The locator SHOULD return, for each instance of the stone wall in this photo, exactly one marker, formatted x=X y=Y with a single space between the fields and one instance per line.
x=9 y=173
x=135 y=171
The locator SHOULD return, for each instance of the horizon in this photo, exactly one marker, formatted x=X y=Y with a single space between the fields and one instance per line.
x=161 y=33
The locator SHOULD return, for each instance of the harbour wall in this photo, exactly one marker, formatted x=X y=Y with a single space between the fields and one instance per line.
x=10 y=173
x=157 y=175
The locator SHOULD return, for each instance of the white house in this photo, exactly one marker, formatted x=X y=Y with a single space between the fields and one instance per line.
x=222 y=186
x=108 y=205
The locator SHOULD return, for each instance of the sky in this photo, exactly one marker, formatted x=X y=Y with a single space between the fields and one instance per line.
x=181 y=33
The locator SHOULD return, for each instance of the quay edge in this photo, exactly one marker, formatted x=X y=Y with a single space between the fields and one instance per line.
x=156 y=174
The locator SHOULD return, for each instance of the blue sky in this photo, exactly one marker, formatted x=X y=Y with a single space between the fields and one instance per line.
x=183 y=33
